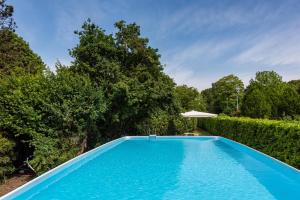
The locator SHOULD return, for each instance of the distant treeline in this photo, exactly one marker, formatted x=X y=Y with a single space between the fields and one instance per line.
x=266 y=96
x=115 y=86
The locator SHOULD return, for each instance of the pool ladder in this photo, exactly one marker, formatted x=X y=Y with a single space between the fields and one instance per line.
x=152 y=137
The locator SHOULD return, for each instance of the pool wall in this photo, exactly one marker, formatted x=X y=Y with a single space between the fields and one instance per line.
x=282 y=167
x=78 y=161
x=73 y=163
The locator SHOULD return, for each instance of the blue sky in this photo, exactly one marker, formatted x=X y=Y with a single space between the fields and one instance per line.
x=200 y=41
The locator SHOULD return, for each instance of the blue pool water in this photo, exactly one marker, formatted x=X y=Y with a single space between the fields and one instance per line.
x=167 y=168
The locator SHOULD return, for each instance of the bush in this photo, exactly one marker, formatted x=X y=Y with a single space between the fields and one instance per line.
x=279 y=139
x=6 y=156
x=157 y=123
x=184 y=125
x=161 y=123
x=49 y=117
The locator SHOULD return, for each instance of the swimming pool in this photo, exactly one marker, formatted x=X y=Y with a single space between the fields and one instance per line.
x=167 y=168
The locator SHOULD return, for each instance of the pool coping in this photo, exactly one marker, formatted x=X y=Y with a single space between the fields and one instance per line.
x=118 y=141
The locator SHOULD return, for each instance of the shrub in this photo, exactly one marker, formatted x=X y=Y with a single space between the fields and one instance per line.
x=6 y=156
x=184 y=124
x=161 y=123
x=49 y=117
x=157 y=123
x=279 y=139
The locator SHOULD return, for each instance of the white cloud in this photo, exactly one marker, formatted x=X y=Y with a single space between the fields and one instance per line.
x=276 y=47
x=206 y=42
x=269 y=42
x=188 y=65
x=188 y=77
x=201 y=50
x=195 y=18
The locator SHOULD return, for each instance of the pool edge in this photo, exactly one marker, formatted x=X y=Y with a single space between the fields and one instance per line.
x=283 y=166
x=14 y=192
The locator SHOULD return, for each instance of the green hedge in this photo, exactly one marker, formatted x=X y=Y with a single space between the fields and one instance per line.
x=279 y=139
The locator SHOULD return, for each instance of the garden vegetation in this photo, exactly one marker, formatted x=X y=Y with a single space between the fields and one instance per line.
x=116 y=86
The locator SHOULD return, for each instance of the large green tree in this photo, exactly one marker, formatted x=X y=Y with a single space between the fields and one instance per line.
x=271 y=85
x=209 y=100
x=189 y=98
x=96 y=55
x=296 y=84
x=256 y=103
x=224 y=94
x=289 y=102
x=268 y=96
x=129 y=71
x=16 y=57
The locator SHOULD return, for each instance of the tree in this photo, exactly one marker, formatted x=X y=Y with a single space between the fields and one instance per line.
x=6 y=20
x=255 y=103
x=267 y=78
x=268 y=96
x=209 y=100
x=270 y=83
x=296 y=84
x=225 y=93
x=130 y=72
x=290 y=102
x=16 y=57
x=189 y=98
x=96 y=56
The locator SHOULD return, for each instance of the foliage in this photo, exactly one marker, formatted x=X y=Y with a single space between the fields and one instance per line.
x=96 y=56
x=130 y=72
x=267 y=78
x=280 y=139
x=6 y=20
x=209 y=100
x=296 y=84
x=271 y=85
x=267 y=96
x=157 y=123
x=49 y=116
x=222 y=97
x=16 y=57
x=115 y=86
x=184 y=125
x=255 y=103
x=160 y=123
x=6 y=156
x=189 y=98
x=289 y=102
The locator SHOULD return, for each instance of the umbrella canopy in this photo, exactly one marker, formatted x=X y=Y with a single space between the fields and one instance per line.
x=196 y=114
